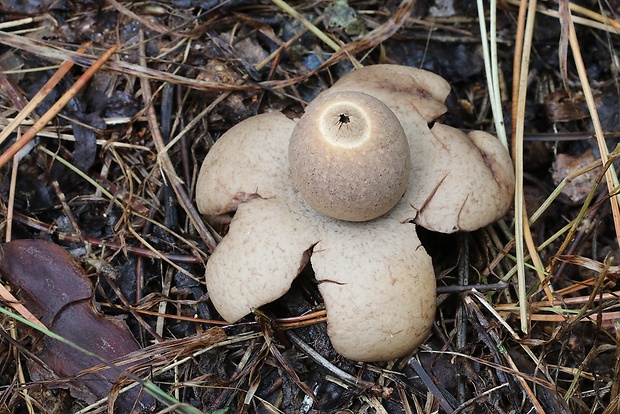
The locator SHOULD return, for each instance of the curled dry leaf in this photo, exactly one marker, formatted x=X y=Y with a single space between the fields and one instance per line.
x=579 y=186
x=54 y=288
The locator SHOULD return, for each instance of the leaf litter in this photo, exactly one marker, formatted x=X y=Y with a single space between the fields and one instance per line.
x=125 y=150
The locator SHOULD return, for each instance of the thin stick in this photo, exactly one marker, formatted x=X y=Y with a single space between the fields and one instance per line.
x=319 y=359
x=492 y=73
x=21 y=309
x=43 y=92
x=56 y=108
x=73 y=238
x=518 y=159
x=315 y=30
x=498 y=114
x=516 y=70
x=491 y=69
x=535 y=257
x=166 y=163
x=517 y=115
x=610 y=174
x=594 y=19
x=11 y=202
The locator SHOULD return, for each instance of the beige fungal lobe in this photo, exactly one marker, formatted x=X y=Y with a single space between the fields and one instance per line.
x=349 y=157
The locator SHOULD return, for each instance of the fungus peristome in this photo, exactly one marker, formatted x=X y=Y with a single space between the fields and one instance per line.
x=375 y=277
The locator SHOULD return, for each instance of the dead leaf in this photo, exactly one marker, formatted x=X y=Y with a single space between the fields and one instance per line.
x=54 y=288
x=578 y=188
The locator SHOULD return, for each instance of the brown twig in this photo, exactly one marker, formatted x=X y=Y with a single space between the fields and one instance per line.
x=74 y=238
x=56 y=108
x=166 y=163
x=41 y=94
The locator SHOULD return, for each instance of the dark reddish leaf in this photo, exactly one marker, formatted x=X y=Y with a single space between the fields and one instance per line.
x=54 y=288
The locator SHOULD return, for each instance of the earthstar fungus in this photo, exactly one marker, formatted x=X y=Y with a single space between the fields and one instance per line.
x=376 y=279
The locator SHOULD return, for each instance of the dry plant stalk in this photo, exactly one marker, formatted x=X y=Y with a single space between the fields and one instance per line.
x=56 y=108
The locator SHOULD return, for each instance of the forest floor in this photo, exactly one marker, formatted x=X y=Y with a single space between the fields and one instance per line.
x=527 y=309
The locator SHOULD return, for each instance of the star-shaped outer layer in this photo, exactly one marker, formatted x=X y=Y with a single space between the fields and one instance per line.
x=376 y=279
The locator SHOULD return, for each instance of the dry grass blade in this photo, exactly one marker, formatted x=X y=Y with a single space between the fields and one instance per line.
x=311 y=27
x=491 y=68
x=594 y=20
x=514 y=372
x=74 y=238
x=495 y=343
x=36 y=100
x=166 y=163
x=121 y=67
x=19 y=308
x=56 y=108
x=522 y=224
x=160 y=355
x=610 y=174
x=519 y=101
x=432 y=387
x=373 y=38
